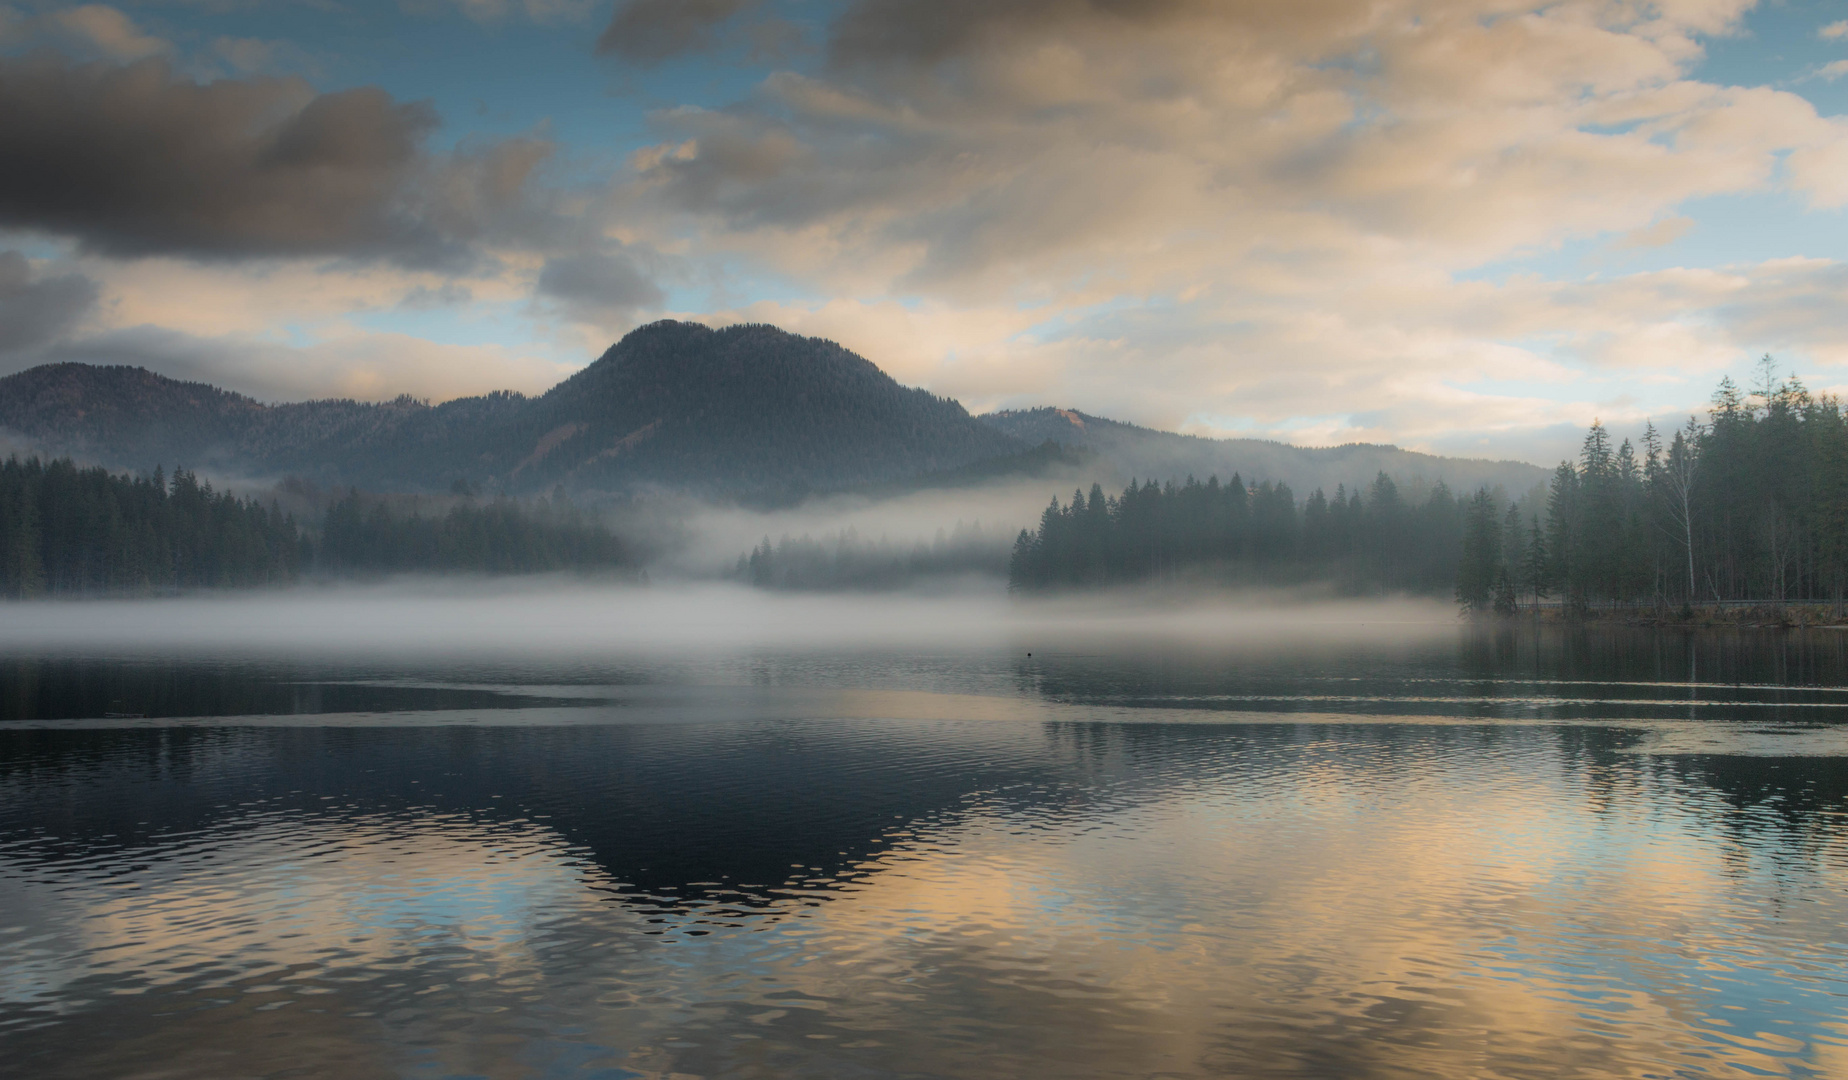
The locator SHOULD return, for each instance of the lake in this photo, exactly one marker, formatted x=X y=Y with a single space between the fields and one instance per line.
x=1413 y=850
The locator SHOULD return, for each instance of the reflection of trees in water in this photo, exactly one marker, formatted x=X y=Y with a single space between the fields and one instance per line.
x=1763 y=657
x=1494 y=672
x=1803 y=794
x=70 y=688
x=677 y=813
x=744 y=806
x=1807 y=796
x=748 y=807
x=1790 y=803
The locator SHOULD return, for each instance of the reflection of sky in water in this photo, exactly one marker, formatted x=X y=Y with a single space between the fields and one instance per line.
x=748 y=881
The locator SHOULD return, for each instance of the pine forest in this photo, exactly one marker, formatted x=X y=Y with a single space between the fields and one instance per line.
x=87 y=531
x=1750 y=506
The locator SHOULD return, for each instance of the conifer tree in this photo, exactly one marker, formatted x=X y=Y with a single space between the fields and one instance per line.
x=1481 y=564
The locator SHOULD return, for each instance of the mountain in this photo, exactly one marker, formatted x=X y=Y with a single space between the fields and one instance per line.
x=1146 y=454
x=677 y=403
x=120 y=414
x=746 y=410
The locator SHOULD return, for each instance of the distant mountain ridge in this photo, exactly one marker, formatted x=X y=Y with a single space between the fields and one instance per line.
x=129 y=417
x=746 y=411
x=1140 y=453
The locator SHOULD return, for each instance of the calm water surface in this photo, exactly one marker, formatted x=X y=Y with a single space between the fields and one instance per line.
x=1470 y=854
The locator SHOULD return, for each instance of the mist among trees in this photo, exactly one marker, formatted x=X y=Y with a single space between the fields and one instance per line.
x=1376 y=541
x=847 y=561
x=499 y=536
x=65 y=529
x=1750 y=505
x=71 y=530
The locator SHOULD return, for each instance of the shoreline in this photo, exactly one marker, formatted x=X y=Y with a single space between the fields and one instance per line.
x=1766 y=616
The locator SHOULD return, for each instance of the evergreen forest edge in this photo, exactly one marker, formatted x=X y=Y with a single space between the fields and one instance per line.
x=1751 y=506
x=68 y=530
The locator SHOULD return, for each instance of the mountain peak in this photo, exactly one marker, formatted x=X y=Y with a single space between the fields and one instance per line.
x=683 y=403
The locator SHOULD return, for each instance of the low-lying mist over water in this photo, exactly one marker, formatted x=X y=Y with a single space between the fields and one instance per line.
x=573 y=615
x=715 y=535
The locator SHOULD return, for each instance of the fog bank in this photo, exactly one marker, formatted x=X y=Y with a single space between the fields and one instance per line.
x=712 y=537
x=564 y=616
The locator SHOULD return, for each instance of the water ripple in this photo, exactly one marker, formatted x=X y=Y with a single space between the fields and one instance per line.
x=1090 y=866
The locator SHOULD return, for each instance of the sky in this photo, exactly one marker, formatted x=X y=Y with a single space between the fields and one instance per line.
x=1467 y=226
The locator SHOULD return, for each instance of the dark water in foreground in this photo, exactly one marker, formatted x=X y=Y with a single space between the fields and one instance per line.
x=1588 y=854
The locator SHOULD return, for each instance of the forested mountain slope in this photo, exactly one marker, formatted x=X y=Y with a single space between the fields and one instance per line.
x=121 y=414
x=1139 y=453
x=129 y=417
x=747 y=410
x=678 y=404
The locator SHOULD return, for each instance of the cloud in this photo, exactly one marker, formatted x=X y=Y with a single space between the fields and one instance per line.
x=929 y=31
x=1835 y=31
x=777 y=41
x=606 y=290
x=650 y=31
x=1073 y=149
x=211 y=299
x=222 y=323
x=490 y=192
x=1660 y=234
x=1833 y=70
x=36 y=311
x=91 y=30
x=1821 y=172
x=489 y=11
x=134 y=161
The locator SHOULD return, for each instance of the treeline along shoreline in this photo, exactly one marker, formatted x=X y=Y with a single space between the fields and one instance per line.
x=1376 y=542
x=70 y=530
x=1750 y=507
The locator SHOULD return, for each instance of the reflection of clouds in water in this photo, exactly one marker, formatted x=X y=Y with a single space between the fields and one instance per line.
x=1294 y=899
x=1445 y=927
x=308 y=899
x=366 y=946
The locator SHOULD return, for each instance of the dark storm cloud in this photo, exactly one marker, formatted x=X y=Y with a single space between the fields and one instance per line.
x=133 y=160
x=649 y=31
x=926 y=31
x=599 y=288
x=36 y=312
